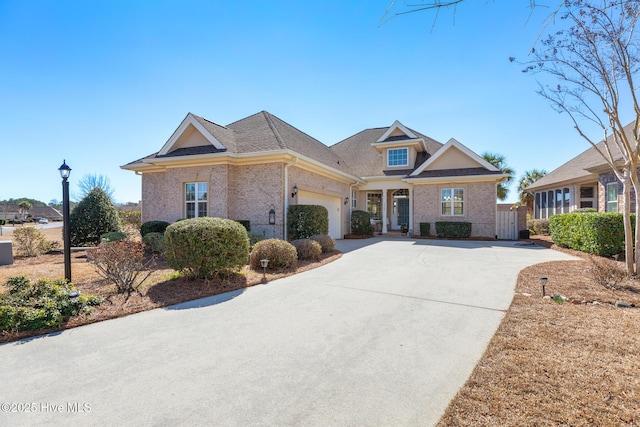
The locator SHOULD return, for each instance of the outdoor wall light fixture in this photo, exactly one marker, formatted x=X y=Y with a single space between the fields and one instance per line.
x=264 y=263
x=272 y=215
x=65 y=171
x=346 y=200
x=543 y=283
x=295 y=191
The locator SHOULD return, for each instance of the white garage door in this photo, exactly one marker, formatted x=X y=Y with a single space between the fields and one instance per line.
x=333 y=207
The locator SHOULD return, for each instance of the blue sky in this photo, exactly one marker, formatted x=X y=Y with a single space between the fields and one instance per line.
x=102 y=83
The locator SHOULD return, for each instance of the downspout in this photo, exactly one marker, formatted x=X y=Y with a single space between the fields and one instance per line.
x=350 y=205
x=286 y=196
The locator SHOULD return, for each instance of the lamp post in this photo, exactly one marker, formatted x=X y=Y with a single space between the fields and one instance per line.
x=65 y=171
x=264 y=263
x=543 y=283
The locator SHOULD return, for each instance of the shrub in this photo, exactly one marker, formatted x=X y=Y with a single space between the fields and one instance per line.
x=595 y=233
x=3 y=221
x=307 y=249
x=129 y=217
x=45 y=304
x=92 y=217
x=453 y=229
x=280 y=254
x=425 y=228
x=306 y=220
x=326 y=242
x=361 y=223
x=123 y=264
x=154 y=242
x=538 y=226
x=245 y=223
x=255 y=238
x=30 y=242
x=204 y=247
x=114 y=236
x=153 y=227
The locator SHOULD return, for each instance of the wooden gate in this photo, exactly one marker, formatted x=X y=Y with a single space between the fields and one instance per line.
x=507 y=225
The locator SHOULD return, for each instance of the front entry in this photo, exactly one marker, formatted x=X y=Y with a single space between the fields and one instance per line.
x=403 y=212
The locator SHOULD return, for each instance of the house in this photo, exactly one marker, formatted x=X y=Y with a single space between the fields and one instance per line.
x=12 y=211
x=261 y=165
x=586 y=181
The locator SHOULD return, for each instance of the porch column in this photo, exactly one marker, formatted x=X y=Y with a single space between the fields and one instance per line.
x=411 y=210
x=384 y=211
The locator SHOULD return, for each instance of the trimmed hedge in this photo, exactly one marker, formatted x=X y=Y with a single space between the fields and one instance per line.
x=327 y=243
x=595 y=233
x=245 y=223
x=114 y=236
x=361 y=223
x=307 y=249
x=453 y=229
x=304 y=221
x=153 y=227
x=280 y=253
x=154 y=242
x=425 y=228
x=206 y=246
x=539 y=226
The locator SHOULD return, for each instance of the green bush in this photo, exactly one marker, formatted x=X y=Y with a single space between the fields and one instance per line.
x=129 y=217
x=92 y=217
x=154 y=242
x=425 y=228
x=594 y=233
x=453 y=229
x=30 y=242
x=307 y=249
x=114 y=236
x=204 y=247
x=153 y=227
x=281 y=254
x=245 y=223
x=255 y=238
x=306 y=220
x=361 y=223
x=3 y=221
x=538 y=226
x=45 y=304
x=327 y=243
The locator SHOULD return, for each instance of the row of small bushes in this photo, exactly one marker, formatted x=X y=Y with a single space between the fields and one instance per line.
x=538 y=226
x=594 y=233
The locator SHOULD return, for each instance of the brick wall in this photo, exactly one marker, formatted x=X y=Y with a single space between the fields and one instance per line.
x=479 y=207
x=603 y=180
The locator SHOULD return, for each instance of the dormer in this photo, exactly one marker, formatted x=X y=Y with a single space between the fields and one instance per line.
x=191 y=133
x=399 y=146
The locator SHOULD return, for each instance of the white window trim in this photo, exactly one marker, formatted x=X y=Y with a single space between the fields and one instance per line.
x=397 y=149
x=367 y=206
x=453 y=189
x=196 y=202
x=606 y=196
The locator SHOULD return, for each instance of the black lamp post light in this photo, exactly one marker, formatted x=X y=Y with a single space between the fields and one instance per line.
x=264 y=263
x=65 y=171
x=543 y=283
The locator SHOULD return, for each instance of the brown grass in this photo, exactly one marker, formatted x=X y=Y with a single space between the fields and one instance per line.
x=574 y=363
x=163 y=288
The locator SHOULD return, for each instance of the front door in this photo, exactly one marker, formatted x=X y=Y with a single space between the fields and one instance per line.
x=403 y=212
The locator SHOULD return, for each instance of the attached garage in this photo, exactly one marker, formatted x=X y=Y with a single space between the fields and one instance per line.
x=333 y=205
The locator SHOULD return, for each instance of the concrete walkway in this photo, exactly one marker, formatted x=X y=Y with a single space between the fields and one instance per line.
x=386 y=335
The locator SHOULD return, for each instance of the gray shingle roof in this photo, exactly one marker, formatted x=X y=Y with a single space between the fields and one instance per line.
x=456 y=172
x=576 y=168
x=365 y=160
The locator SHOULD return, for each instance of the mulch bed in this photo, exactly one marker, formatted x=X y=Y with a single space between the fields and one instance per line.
x=573 y=363
x=163 y=288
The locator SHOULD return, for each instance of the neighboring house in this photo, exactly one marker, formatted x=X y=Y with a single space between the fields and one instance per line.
x=586 y=181
x=260 y=164
x=12 y=211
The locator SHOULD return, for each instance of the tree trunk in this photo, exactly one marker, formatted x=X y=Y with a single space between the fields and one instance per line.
x=629 y=255
x=635 y=181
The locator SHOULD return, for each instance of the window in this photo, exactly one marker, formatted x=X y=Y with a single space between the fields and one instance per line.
x=195 y=199
x=538 y=206
x=452 y=200
x=612 y=197
x=566 y=204
x=354 y=199
x=374 y=205
x=398 y=157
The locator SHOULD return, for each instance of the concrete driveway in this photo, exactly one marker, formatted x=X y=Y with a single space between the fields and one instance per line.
x=386 y=335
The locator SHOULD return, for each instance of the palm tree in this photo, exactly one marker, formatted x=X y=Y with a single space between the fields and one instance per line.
x=529 y=177
x=500 y=161
x=24 y=207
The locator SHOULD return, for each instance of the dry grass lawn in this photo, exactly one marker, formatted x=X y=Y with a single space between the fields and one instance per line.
x=569 y=364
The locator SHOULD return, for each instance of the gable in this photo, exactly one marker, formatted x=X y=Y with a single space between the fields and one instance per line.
x=185 y=135
x=397 y=132
x=453 y=159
